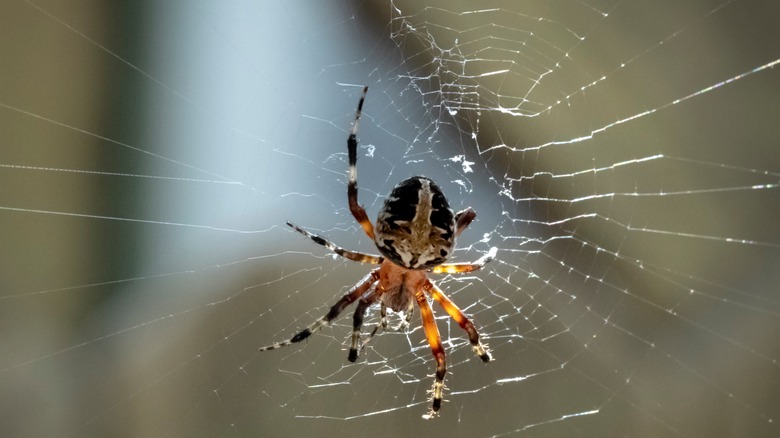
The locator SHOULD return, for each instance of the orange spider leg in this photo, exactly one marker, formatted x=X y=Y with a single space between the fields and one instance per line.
x=463 y=321
x=460 y=268
x=432 y=334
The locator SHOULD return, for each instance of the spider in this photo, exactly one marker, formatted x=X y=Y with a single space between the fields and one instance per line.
x=415 y=233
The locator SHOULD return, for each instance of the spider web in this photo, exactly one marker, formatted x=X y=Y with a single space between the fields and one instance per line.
x=622 y=156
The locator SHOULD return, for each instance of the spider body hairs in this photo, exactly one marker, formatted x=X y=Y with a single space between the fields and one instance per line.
x=415 y=233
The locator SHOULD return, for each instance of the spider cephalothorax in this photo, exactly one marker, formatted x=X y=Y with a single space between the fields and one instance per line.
x=415 y=232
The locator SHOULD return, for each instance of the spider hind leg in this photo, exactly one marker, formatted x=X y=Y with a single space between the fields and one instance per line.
x=463 y=218
x=355 y=208
x=355 y=256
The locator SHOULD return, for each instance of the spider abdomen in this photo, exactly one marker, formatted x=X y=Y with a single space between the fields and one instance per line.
x=415 y=227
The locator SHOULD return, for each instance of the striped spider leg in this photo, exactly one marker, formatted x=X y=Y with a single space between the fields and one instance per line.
x=355 y=208
x=355 y=293
x=347 y=254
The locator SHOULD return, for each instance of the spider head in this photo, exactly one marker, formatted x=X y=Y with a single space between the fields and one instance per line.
x=415 y=227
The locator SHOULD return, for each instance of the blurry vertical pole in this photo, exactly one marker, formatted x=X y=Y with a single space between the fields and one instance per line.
x=62 y=112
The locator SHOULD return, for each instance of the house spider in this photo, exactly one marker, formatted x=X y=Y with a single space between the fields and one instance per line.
x=415 y=233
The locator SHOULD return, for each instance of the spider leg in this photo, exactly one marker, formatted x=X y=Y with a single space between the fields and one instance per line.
x=352 y=190
x=381 y=324
x=463 y=321
x=460 y=268
x=347 y=254
x=357 y=321
x=462 y=219
x=434 y=340
x=356 y=292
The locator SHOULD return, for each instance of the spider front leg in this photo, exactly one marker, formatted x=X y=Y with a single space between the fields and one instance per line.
x=434 y=340
x=352 y=190
x=356 y=292
x=462 y=320
x=357 y=321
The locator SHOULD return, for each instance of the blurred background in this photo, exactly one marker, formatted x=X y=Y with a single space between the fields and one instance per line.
x=622 y=156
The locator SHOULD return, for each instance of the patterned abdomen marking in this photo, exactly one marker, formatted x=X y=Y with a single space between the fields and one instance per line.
x=415 y=228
